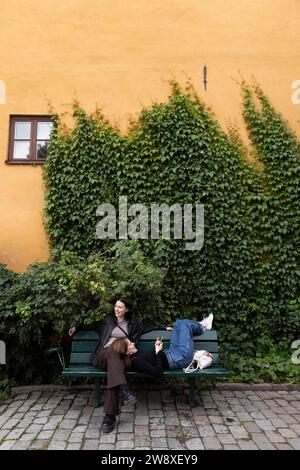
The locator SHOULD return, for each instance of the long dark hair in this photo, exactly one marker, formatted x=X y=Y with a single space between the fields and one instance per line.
x=120 y=345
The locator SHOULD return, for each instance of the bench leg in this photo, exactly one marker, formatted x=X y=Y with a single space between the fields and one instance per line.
x=192 y=391
x=97 y=392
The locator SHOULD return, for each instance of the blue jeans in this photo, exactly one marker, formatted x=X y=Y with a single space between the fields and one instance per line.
x=181 y=349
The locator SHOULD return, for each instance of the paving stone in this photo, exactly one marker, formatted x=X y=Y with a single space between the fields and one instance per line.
x=295 y=443
x=156 y=414
x=124 y=445
x=244 y=416
x=67 y=424
x=226 y=439
x=158 y=433
x=57 y=445
x=288 y=433
x=190 y=432
x=4 y=433
x=106 y=447
x=288 y=419
x=245 y=444
x=39 y=444
x=172 y=420
x=125 y=436
x=6 y=445
x=262 y=441
x=199 y=420
x=141 y=430
x=34 y=428
x=264 y=424
x=239 y=432
x=141 y=441
x=206 y=431
x=10 y=424
x=73 y=446
x=141 y=420
x=194 y=444
x=231 y=447
x=108 y=438
x=176 y=443
x=14 y=434
x=279 y=423
x=251 y=427
x=125 y=427
x=280 y=446
x=274 y=437
x=220 y=429
x=157 y=423
x=27 y=437
x=173 y=431
x=216 y=420
x=212 y=443
x=158 y=442
x=20 y=445
x=90 y=444
x=76 y=437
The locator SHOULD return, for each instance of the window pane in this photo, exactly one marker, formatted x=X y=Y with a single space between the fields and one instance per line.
x=22 y=130
x=43 y=130
x=41 y=150
x=21 y=149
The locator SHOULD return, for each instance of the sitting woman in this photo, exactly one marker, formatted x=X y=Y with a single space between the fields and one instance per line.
x=118 y=325
x=178 y=356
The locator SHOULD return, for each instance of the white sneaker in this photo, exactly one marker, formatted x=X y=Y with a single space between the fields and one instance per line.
x=207 y=322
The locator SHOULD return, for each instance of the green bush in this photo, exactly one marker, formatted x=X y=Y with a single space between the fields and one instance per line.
x=272 y=366
x=5 y=387
x=41 y=304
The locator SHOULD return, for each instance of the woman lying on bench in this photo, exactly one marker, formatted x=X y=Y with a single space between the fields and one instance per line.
x=178 y=356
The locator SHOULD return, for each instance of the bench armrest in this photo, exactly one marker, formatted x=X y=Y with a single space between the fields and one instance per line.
x=60 y=354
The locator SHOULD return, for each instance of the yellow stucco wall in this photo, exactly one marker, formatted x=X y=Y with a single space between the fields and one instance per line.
x=121 y=54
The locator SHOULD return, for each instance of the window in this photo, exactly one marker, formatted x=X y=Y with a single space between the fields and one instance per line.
x=28 y=139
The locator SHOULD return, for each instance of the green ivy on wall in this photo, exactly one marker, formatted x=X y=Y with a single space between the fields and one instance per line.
x=246 y=272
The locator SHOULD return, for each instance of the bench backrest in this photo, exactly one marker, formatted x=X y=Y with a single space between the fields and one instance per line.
x=84 y=342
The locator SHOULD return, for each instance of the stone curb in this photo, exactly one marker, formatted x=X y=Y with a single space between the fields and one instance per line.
x=219 y=386
x=48 y=387
x=259 y=387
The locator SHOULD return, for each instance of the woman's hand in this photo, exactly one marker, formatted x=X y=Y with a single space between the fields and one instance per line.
x=72 y=330
x=158 y=346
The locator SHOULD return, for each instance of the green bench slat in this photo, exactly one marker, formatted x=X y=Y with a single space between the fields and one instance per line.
x=84 y=346
x=85 y=358
x=85 y=371
x=85 y=335
x=89 y=346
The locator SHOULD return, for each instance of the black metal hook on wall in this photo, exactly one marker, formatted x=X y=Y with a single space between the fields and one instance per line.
x=205 y=76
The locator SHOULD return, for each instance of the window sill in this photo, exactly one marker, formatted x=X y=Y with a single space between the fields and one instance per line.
x=26 y=162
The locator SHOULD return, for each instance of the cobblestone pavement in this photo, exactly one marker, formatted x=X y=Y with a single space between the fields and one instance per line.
x=228 y=419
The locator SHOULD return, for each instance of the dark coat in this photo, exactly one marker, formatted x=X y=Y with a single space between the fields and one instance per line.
x=135 y=330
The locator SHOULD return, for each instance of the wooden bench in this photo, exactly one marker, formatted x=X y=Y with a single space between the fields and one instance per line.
x=84 y=342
